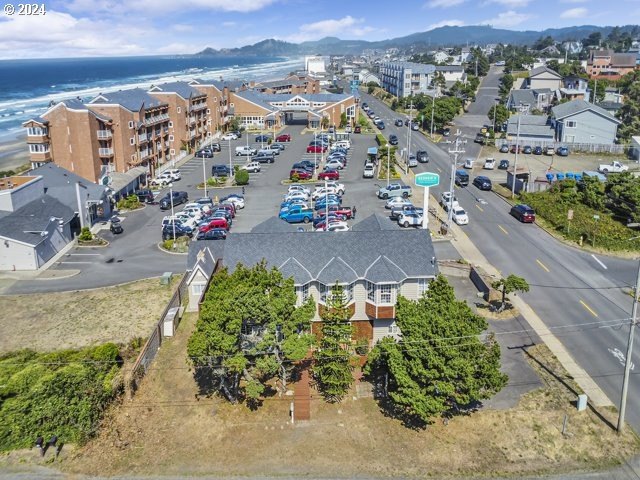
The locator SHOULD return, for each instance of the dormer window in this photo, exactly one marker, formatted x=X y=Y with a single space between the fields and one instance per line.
x=382 y=294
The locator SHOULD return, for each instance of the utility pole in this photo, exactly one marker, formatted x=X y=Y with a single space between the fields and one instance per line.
x=627 y=363
x=455 y=152
x=595 y=89
x=433 y=107
x=406 y=160
x=515 y=162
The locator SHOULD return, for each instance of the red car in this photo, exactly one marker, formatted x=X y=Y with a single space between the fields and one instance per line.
x=302 y=174
x=285 y=137
x=228 y=207
x=513 y=149
x=316 y=149
x=357 y=129
x=329 y=175
x=339 y=211
x=214 y=223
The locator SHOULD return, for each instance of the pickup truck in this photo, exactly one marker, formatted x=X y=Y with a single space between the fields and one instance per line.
x=613 y=167
x=398 y=211
x=297 y=214
x=394 y=190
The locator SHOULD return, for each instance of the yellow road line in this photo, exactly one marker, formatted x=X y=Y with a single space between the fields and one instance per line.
x=588 y=308
x=479 y=207
x=503 y=230
x=542 y=265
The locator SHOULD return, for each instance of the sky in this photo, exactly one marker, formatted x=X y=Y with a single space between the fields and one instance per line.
x=81 y=28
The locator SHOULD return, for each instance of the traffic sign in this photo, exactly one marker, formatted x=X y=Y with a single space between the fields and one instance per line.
x=427 y=179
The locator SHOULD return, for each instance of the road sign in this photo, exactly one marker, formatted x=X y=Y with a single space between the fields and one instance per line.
x=427 y=179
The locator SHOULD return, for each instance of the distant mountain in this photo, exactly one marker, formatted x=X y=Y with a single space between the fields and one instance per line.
x=442 y=36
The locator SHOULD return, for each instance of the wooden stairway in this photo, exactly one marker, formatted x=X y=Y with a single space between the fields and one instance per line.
x=302 y=394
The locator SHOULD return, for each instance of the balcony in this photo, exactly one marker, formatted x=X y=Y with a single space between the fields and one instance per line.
x=145 y=153
x=379 y=311
x=192 y=133
x=163 y=117
x=37 y=137
x=198 y=107
x=104 y=134
x=105 y=152
x=144 y=138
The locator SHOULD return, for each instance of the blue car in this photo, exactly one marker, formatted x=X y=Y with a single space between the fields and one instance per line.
x=323 y=203
x=563 y=151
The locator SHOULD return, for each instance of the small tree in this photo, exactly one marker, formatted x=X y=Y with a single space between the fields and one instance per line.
x=343 y=120
x=512 y=283
x=242 y=177
x=333 y=360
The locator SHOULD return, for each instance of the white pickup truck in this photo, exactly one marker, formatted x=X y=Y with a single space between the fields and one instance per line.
x=613 y=167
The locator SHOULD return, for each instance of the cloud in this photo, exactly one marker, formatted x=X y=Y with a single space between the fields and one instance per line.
x=154 y=8
x=443 y=3
x=229 y=24
x=345 y=26
x=574 y=1
x=445 y=23
x=181 y=27
x=511 y=3
x=575 y=13
x=508 y=19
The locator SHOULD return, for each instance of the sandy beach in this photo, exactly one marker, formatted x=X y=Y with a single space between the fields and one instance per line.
x=13 y=152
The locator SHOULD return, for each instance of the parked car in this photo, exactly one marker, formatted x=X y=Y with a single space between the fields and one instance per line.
x=380 y=125
x=410 y=219
x=369 y=170
x=357 y=129
x=162 y=180
x=262 y=138
x=115 y=225
x=236 y=200
x=300 y=174
x=334 y=164
x=482 y=182
x=446 y=200
x=302 y=166
x=269 y=150
x=297 y=214
x=537 y=150
x=489 y=164
x=299 y=188
x=613 y=167
x=337 y=227
x=422 y=156
x=503 y=165
x=213 y=234
x=504 y=148
x=326 y=202
x=246 y=151
x=339 y=210
x=220 y=171
x=329 y=174
x=280 y=146
x=563 y=151
x=480 y=138
x=514 y=148
x=145 y=196
x=549 y=150
x=178 y=198
x=462 y=178
x=403 y=210
x=205 y=201
x=345 y=144
x=460 y=216
x=527 y=150
x=446 y=132
x=398 y=122
x=523 y=212
x=263 y=158
x=395 y=202
x=177 y=230
x=218 y=222
x=230 y=136
x=413 y=161
x=283 y=137
x=299 y=195
x=468 y=163
x=394 y=190
x=393 y=139
x=316 y=149
x=251 y=167
x=415 y=126
x=204 y=154
x=310 y=163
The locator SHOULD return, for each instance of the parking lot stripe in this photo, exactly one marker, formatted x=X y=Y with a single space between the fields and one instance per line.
x=588 y=308
x=542 y=265
x=503 y=230
x=479 y=207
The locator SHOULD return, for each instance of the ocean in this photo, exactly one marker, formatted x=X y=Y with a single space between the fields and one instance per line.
x=27 y=87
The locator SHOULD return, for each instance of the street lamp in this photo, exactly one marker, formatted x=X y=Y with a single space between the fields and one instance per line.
x=173 y=218
x=204 y=176
x=388 y=161
x=433 y=107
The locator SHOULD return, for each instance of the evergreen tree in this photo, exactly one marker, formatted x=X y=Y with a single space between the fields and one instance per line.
x=333 y=360
x=440 y=364
x=512 y=283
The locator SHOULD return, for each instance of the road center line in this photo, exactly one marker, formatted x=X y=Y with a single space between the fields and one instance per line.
x=588 y=308
x=597 y=260
x=479 y=207
x=542 y=265
x=503 y=230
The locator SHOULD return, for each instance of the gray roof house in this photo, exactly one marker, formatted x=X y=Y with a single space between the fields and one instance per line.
x=372 y=264
x=533 y=129
x=544 y=77
x=582 y=122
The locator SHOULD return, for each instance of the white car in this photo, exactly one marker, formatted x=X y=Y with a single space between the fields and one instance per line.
x=339 y=224
x=335 y=163
x=299 y=188
x=445 y=198
x=296 y=196
x=468 y=163
x=237 y=202
x=161 y=180
x=229 y=136
x=489 y=164
x=340 y=188
x=410 y=219
x=193 y=212
x=341 y=144
x=251 y=167
x=173 y=173
x=184 y=219
x=460 y=216
x=203 y=207
x=395 y=202
x=320 y=192
x=347 y=129
x=369 y=171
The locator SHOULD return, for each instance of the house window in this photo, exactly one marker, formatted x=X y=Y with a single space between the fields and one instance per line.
x=130 y=124
x=371 y=292
x=171 y=138
x=172 y=152
x=323 y=290
x=170 y=124
x=570 y=124
x=38 y=147
x=208 y=111
x=386 y=293
x=132 y=141
x=423 y=286
x=178 y=110
x=197 y=288
x=303 y=292
x=393 y=329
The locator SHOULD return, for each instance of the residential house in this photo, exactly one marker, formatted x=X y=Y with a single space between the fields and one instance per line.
x=574 y=88
x=406 y=78
x=218 y=110
x=530 y=130
x=544 y=77
x=374 y=266
x=440 y=56
x=452 y=73
x=579 y=121
x=526 y=100
x=201 y=266
x=572 y=48
x=34 y=226
x=365 y=76
x=605 y=63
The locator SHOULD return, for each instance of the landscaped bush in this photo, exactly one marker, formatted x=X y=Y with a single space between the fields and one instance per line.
x=181 y=245
x=129 y=203
x=85 y=235
x=242 y=177
x=61 y=393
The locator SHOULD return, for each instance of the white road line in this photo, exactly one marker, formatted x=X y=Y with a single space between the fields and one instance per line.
x=601 y=264
x=75 y=263
x=86 y=254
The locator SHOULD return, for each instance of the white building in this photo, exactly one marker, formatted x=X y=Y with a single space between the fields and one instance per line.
x=315 y=64
x=406 y=78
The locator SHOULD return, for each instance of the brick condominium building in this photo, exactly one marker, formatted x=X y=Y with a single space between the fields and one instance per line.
x=606 y=63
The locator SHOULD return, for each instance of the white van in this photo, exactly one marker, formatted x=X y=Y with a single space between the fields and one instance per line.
x=245 y=151
x=342 y=144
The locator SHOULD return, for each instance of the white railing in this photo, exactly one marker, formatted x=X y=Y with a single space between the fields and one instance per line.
x=144 y=137
x=102 y=134
x=105 y=152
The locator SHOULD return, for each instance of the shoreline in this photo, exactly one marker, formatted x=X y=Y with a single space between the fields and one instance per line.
x=14 y=152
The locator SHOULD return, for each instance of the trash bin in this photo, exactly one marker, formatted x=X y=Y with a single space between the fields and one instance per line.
x=560 y=176
x=550 y=177
x=578 y=177
x=570 y=176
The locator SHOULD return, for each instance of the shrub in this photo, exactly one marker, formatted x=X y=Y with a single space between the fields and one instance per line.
x=212 y=181
x=242 y=177
x=295 y=177
x=181 y=245
x=129 y=203
x=85 y=235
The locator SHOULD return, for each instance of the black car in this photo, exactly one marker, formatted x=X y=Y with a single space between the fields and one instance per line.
x=262 y=138
x=213 y=234
x=302 y=166
x=204 y=154
x=310 y=163
x=263 y=158
x=393 y=140
x=220 y=170
x=398 y=122
x=178 y=198
x=168 y=231
x=504 y=148
x=483 y=183
x=145 y=196
x=527 y=149
x=422 y=156
x=380 y=125
x=503 y=165
x=462 y=178
x=537 y=151
x=446 y=132
x=116 y=225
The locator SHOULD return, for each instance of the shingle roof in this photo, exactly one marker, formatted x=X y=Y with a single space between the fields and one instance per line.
x=449 y=68
x=542 y=69
x=201 y=257
x=415 y=67
x=133 y=99
x=576 y=106
x=275 y=225
x=523 y=96
x=183 y=89
x=339 y=256
x=26 y=223
x=375 y=221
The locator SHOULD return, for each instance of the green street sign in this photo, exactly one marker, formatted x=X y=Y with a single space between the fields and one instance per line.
x=427 y=179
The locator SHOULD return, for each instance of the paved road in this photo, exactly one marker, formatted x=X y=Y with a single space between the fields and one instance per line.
x=578 y=295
